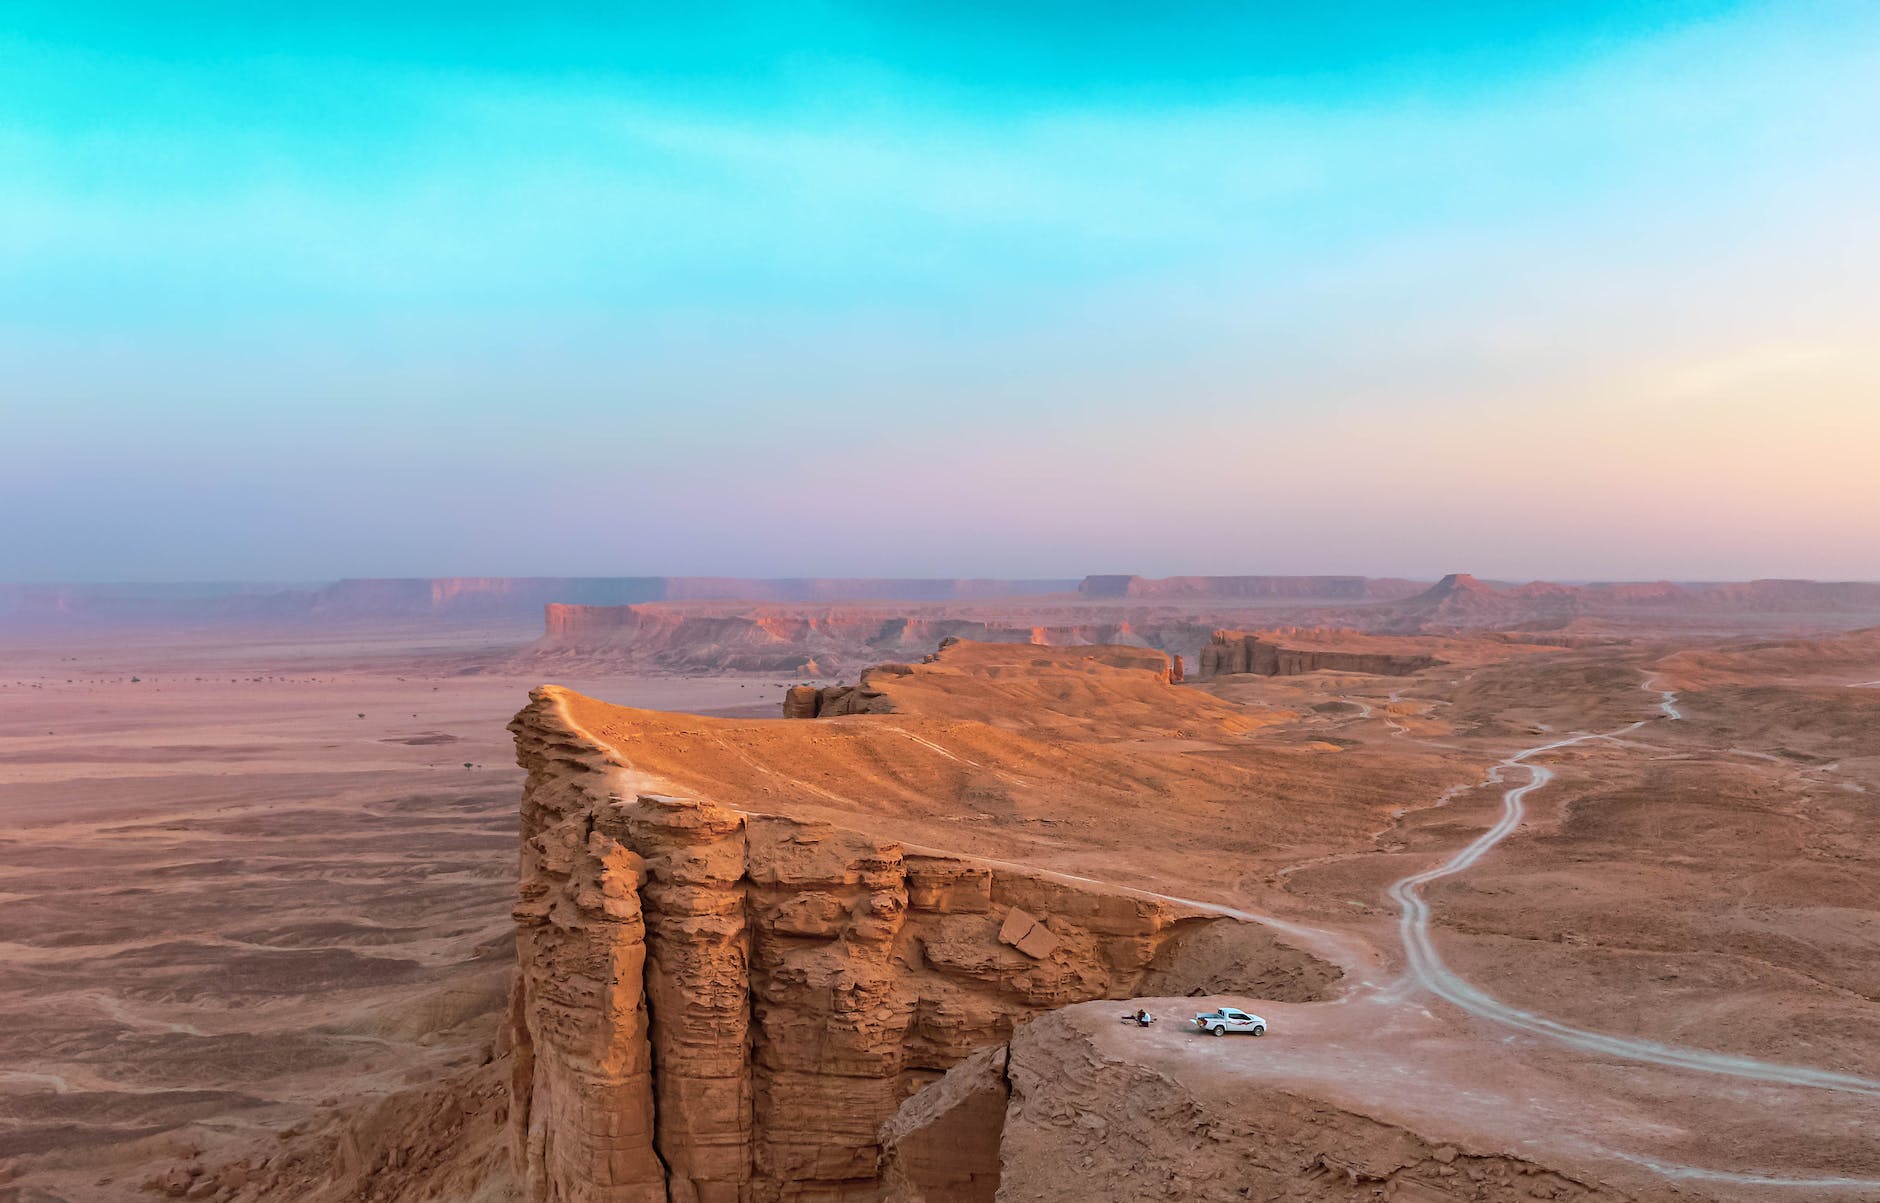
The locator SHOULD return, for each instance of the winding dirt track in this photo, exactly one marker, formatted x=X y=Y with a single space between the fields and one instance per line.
x=1428 y=970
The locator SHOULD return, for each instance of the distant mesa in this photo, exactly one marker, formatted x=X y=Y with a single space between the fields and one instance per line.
x=459 y=598
x=875 y=692
x=1265 y=655
x=1460 y=602
x=833 y=615
x=1286 y=588
x=820 y=640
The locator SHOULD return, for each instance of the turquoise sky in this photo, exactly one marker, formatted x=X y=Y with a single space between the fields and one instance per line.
x=1571 y=290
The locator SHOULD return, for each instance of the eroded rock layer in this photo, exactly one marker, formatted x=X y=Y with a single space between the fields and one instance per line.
x=714 y=1004
x=1243 y=652
x=820 y=639
x=873 y=693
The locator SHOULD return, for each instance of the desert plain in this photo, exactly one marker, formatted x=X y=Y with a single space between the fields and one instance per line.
x=248 y=877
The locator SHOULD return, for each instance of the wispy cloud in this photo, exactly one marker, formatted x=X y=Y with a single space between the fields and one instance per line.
x=1148 y=316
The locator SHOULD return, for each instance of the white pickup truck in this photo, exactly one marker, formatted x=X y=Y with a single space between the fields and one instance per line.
x=1230 y=1019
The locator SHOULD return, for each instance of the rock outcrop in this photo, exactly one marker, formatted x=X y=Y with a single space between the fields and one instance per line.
x=1059 y=1118
x=714 y=1004
x=1232 y=652
x=863 y=697
x=873 y=692
x=942 y=1146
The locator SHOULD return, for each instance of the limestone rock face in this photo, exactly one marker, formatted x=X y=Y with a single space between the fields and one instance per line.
x=801 y=701
x=582 y=1109
x=1241 y=652
x=942 y=1146
x=714 y=1005
x=809 y=701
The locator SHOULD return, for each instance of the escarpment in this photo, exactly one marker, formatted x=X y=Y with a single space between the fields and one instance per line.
x=1243 y=652
x=819 y=640
x=716 y=1004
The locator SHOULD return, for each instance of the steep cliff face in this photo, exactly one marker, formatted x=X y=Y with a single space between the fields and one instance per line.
x=721 y=1005
x=1240 y=652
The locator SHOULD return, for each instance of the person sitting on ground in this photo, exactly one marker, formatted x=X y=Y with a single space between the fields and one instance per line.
x=1144 y=1019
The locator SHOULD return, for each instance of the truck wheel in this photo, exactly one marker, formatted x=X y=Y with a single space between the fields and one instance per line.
x=1259 y=1029
x=1217 y=1031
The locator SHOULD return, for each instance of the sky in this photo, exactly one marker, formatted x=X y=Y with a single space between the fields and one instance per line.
x=1574 y=291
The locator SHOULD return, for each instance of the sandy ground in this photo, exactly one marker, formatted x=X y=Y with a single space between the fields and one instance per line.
x=1653 y=949
x=241 y=881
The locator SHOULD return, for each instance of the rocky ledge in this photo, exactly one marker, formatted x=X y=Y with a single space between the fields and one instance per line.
x=713 y=1004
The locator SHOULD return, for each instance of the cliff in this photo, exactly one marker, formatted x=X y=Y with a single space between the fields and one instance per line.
x=721 y=1004
x=874 y=692
x=1263 y=655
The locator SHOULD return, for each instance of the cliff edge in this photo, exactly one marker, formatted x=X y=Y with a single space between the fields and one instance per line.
x=724 y=1004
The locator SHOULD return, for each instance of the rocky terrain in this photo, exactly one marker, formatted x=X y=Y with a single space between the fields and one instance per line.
x=256 y=888
x=820 y=641
x=1320 y=618
x=1575 y=919
x=774 y=987
x=1072 y=1097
